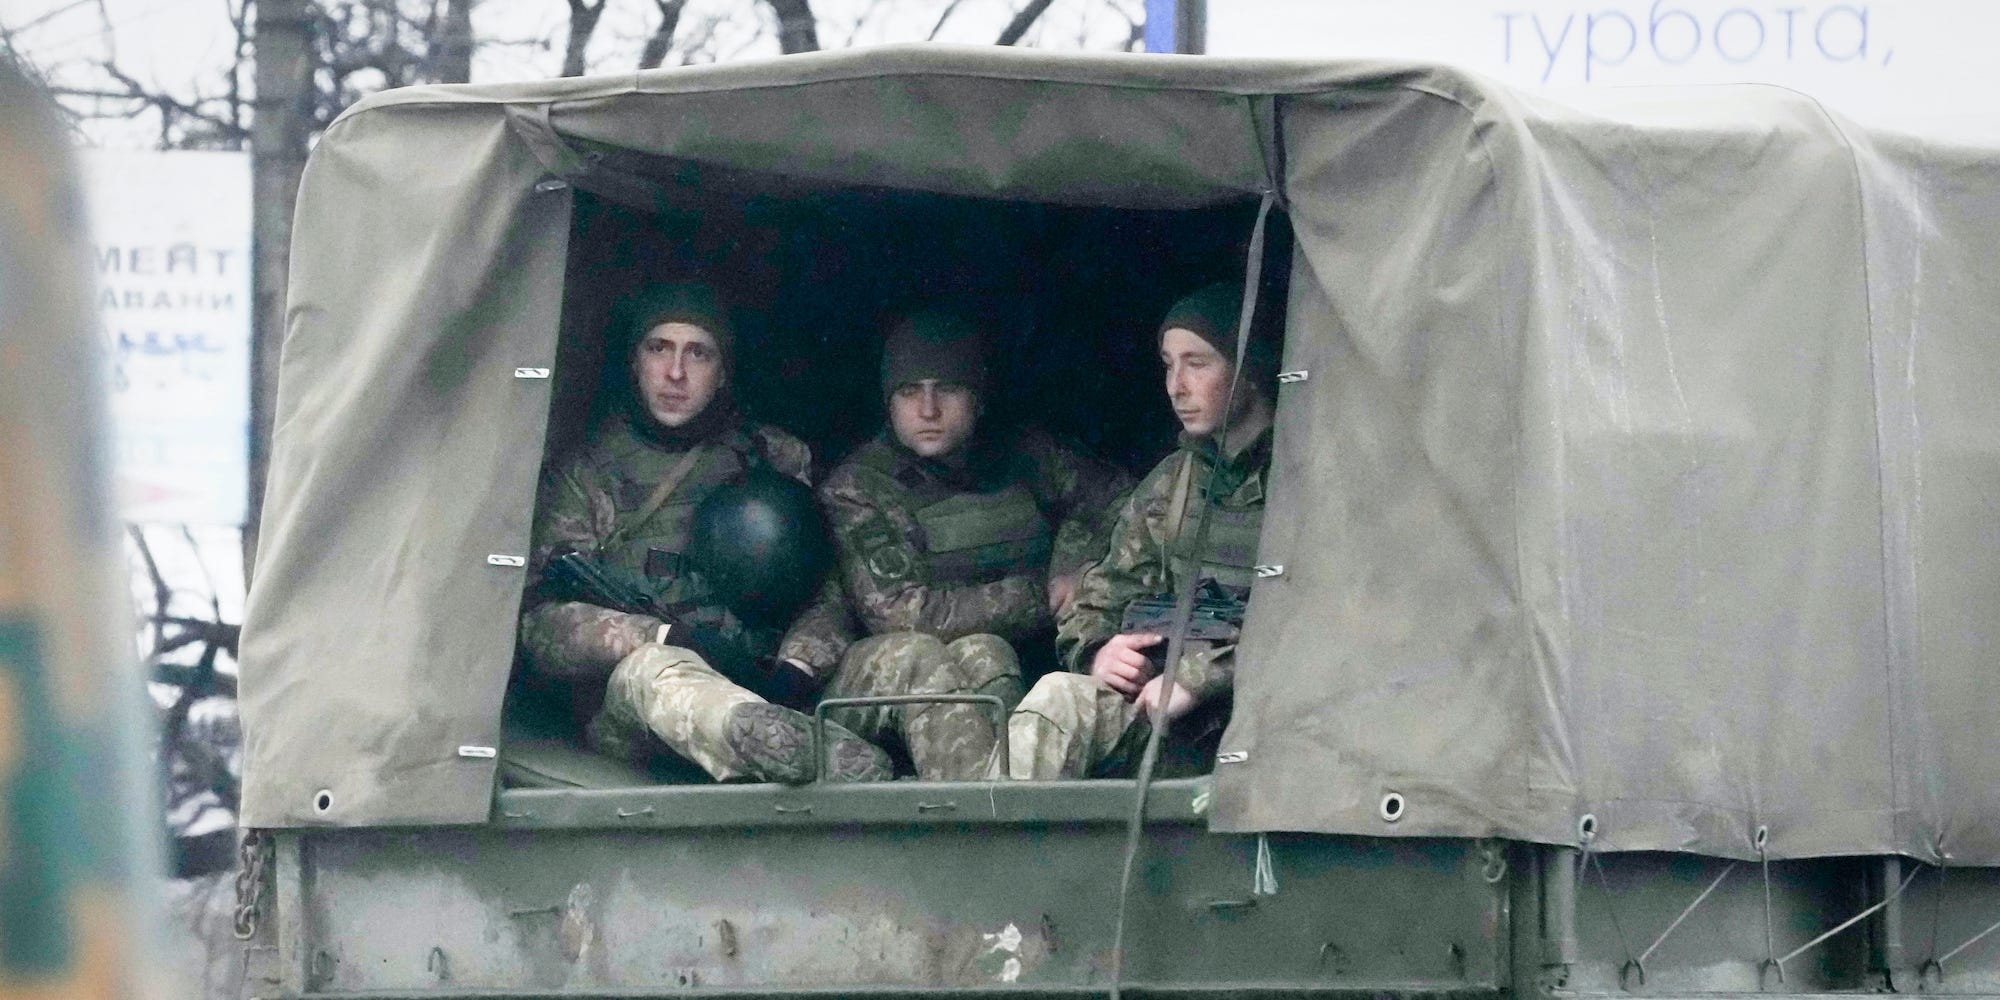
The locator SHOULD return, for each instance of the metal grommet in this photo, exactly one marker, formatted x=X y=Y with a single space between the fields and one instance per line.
x=1392 y=807
x=1763 y=837
x=1586 y=827
x=323 y=801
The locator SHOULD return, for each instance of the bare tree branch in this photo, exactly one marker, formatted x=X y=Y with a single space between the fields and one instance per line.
x=454 y=43
x=798 y=29
x=36 y=22
x=699 y=42
x=662 y=38
x=583 y=17
x=949 y=9
x=1023 y=21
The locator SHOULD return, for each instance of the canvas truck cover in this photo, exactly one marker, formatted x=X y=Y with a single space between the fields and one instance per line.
x=1644 y=467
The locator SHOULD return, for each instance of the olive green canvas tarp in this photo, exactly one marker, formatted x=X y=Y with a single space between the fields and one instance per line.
x=1640 y=473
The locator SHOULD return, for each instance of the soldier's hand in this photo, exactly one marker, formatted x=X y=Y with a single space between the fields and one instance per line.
x=1062 y=587
x=1173 y=706
x=1122 y=666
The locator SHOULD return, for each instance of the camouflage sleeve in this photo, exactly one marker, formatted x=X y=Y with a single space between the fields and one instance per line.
x=822 y=632
x=577 y=641
x=571 y=639
x=884 y=571
x=787 y=454
x=1085 y=493
x=1131 y=569
x=570 y=513
x=1207 y=670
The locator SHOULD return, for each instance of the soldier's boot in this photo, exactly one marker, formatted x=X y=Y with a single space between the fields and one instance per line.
x=776 y=744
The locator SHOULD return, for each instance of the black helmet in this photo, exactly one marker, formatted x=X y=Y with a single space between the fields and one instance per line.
x=761 y=546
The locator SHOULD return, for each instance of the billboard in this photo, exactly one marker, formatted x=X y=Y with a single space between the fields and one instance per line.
x=172 y=235
x=1908 y=64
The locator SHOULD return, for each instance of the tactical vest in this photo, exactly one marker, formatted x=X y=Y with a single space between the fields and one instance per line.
x=970 y=538
x=654 y=544
x=1231 y=553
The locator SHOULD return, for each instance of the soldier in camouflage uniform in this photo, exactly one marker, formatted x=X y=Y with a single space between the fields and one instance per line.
x=955 y=547
x=627 y=499
x=1094 y=722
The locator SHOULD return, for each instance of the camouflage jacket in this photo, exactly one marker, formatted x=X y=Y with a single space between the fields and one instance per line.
x=590 y=502
x=1144 y=557
x=886 y=558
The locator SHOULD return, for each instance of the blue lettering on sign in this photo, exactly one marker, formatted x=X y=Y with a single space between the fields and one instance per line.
x=1595 y=56
x=1674 y=33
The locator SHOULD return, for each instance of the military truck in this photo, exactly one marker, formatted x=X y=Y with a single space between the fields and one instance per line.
x=1627 y=615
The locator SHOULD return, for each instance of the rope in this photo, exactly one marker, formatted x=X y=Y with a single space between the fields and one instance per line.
x=1698 y=900
x=1253 y=274
x=1589 y=861
x=1264 y=875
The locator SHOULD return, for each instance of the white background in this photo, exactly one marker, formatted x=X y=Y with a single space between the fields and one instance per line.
x=1910 y=65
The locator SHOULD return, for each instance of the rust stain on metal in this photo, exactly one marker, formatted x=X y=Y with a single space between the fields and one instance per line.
x=578 y=931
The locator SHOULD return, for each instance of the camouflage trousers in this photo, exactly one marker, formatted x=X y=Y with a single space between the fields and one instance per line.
x=671 y=694
x=945 y=742
x=1070 y=726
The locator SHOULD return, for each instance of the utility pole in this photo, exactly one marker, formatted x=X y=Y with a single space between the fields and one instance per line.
x=1177 y=26
x=1191 y=27
x=279 y=132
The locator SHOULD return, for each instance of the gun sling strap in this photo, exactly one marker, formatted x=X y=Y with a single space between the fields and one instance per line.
x=1253 y=276
x=658 y=498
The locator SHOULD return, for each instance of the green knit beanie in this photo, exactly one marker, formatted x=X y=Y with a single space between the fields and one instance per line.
x=692 y=303
x=933 y=345
x=1211 y=313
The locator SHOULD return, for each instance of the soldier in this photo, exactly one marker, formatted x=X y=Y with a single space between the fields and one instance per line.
x=627 y=499
x=1095 y=722
x=957 y=545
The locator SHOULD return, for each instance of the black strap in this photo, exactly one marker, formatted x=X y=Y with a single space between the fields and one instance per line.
x=1253 y=276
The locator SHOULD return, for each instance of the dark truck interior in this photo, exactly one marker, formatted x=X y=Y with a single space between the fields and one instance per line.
x=1069 y=296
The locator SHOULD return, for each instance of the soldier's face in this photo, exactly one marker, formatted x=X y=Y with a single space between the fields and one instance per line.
x=678 y=370
x=1198 y=381
x=933 y=418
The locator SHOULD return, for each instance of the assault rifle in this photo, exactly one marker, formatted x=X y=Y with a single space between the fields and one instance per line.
x=1217 y=616
x=734 y=653
x=574 y=576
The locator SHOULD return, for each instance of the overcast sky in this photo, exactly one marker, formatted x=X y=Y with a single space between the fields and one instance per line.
x=1913 y=64
x=181 y=45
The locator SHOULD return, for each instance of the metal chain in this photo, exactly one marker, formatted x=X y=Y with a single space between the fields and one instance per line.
x=250 y=864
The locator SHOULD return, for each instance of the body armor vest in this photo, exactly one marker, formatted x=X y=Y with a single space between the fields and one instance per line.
x=1231 y=554
x=970 y=538
x=655 y=544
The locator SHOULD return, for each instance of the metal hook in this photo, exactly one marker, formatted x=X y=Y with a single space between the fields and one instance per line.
x=1625 y=971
